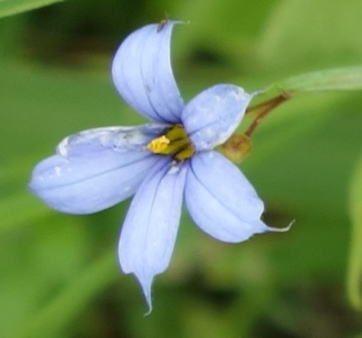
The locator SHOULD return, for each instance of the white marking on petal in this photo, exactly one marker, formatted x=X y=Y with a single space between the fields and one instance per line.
x=173 y=170
x=58 y=171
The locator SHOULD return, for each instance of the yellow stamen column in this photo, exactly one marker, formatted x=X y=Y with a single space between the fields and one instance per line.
x=175 y=142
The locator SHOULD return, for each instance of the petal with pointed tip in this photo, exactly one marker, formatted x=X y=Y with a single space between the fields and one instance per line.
x=149 y=231
x=142 y=73
x=93 y=171
x=212 y=116
x=220 y=199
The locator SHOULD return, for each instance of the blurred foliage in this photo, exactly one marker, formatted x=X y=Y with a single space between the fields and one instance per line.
x=60 y=276
x=312 y=33
x=355 y=265
x=10 y=7
x=349 y=78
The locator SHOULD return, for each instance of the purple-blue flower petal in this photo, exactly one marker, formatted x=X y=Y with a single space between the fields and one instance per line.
x=213 y=115
x=119 y=139
x=143 y=75
x=220 y=199
x=93 y=171
x=150 y=228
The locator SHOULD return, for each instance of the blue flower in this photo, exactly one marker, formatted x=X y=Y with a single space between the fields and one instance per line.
x=160 y=163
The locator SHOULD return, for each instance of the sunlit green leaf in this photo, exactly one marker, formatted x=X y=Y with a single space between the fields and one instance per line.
x=10 y=7
x=354 y=278
x=349 y=78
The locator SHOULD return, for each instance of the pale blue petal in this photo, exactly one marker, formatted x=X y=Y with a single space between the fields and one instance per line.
x=150 y=228
x=143 y=75
x=119 y=139
x=90 y=173
x=221 y=201
x=212 y=116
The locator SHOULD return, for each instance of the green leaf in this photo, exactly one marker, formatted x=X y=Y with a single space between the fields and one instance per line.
x=349 y=78
x=354 y=277
x=10 y=7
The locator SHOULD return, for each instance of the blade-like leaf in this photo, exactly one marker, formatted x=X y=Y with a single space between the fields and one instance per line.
x=349 y=78
x=10 y=7
x=354 y=277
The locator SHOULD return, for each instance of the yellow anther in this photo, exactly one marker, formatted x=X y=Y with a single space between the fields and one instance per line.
x=174 y=142
x=158 y=145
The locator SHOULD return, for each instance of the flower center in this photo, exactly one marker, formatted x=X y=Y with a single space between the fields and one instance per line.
x=174 y=142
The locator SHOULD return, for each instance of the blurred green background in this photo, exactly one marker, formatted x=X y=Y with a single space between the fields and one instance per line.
x=59 y=273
